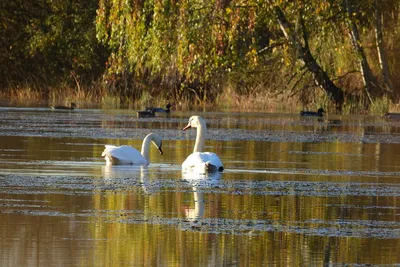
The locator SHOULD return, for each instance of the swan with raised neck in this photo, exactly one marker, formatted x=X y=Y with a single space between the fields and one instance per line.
x=199 y=123
x=199 y=161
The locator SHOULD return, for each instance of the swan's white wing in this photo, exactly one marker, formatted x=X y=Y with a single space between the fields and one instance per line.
x=202 y=162
x=123 y=155
x=108 y=148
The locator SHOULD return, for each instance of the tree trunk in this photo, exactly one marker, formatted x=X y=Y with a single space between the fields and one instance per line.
x=380 y=47
x=321 y=78
x=367 y=76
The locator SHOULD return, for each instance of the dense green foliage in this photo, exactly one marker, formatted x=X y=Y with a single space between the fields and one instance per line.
x=199 y=49
x=44 y=42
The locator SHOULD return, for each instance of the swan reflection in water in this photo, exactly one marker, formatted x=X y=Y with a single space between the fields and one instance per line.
x=128 y=174
x=199 y=183
x=198 y=211
x=125 y=176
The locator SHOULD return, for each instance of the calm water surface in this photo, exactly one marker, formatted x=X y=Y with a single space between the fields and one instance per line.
x=296 y=191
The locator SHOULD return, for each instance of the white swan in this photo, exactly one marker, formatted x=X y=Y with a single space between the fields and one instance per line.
x=124 y=155
x=199 y=161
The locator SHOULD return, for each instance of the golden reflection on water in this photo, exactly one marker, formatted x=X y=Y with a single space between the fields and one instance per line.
x=277 y=203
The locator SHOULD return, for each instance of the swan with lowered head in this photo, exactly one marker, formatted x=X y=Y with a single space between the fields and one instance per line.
x=127 y=155
x=199 y=161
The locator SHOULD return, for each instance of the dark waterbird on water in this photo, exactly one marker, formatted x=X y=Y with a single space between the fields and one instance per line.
x=319 y=113
x=73 y=105
x=160 y=110
x=392 y=115
x=151 y=111
x=145 y=113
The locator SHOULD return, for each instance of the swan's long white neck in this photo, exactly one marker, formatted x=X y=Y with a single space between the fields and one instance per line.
x=145 y=147
x=200 y=137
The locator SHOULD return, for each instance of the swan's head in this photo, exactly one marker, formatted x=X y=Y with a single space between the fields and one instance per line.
x=194 y=121
x=157 y=141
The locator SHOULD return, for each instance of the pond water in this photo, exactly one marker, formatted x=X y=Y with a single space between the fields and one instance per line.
x=295 y=191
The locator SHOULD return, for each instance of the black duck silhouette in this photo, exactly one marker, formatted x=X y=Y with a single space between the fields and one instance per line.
x=392 y=115
x=319 y=113
x=167 y=109
x=145 y=113
x=151 y=111
x=72 y=107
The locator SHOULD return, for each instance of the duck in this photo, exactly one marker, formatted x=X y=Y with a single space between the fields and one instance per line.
x=151 y=111
x=72 y=107
x=319 y=113
x=145 y=113
x=199 y=161
x=127 y=155
x=392 y=115
x=160 y=110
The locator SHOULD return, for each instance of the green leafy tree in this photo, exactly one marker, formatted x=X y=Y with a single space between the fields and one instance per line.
x=45 y=42
x=189 y=44
x=198 y=44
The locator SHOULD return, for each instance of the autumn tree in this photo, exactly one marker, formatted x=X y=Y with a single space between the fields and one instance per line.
x=196 y=49
x=43 y=42
x=299 y=40
x=198 y=44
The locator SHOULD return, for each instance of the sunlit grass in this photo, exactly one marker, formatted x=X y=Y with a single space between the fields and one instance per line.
x=380 y=106
x=260 y=101
x=228 y=99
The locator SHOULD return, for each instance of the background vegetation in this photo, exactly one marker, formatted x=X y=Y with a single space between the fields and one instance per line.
x=341 y=54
